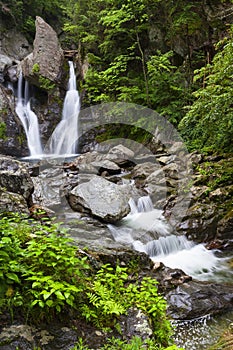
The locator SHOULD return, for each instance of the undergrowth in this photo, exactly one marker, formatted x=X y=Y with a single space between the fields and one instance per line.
x=43 y=275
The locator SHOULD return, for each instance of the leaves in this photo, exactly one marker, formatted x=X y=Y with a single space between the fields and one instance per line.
x=209 y=121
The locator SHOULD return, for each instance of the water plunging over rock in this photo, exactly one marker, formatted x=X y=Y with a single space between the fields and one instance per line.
x=28 y=119
x=63 y=141
x=64 y=138
x=146 y=230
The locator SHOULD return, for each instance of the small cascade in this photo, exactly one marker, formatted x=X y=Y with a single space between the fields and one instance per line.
x=64 y=138
x=145 y=204
x=28 y=119
x=146 y=230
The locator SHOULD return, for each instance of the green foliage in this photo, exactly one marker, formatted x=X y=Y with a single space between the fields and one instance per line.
x=42 y=274
x=2 y=130
x=46 y=84
x=40 y=271
x=36 y=68
x=167 y=92
x=135 y=344
x=112 y=295
x=216 y=174
x=209 y=122
x=22 y=13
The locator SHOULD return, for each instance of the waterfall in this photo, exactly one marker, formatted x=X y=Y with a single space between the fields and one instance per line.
x=146 y=230
x=28 y=119
x=145 y=204
x=64 y=138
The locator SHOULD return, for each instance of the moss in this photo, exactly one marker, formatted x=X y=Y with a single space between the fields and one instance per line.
x=36 y=68
x=3 y=131
x=21 y=138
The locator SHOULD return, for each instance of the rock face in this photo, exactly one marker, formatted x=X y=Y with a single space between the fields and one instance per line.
x=16 y=185
x=14 y=177
x=194 y=299
x=12 y=138
x=14 y=44
x=101 y=198
x=47 y=58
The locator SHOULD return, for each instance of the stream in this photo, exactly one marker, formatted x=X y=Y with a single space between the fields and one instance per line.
x=145 y=229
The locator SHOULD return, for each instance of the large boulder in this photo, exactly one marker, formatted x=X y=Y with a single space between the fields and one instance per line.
x=45 y=64
x=12 y=202
x=102 y=198
x=195 y=299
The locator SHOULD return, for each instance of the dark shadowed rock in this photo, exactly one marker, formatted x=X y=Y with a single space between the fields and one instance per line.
x=196 y=299
x=136 y=324
x=12 y=138
x=15 y=178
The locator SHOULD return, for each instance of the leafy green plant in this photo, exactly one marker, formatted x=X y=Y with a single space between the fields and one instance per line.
x=111 y=294
x=209 y=121
x=42 y=274
x=135 y=344
x=40 y=270
x=36 y=68
x=46 y=84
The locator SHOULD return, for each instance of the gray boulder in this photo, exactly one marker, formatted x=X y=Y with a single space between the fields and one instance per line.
x=195 y=299
x=103 y=199
x=12 y=202
x=47 y=59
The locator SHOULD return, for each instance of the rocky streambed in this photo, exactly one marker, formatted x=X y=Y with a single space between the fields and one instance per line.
x=103 y=198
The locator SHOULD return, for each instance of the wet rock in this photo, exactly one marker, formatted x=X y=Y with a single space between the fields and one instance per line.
x=5 y=62
x=225 y=226
x=26 y=337
x=15 y=178
x=120 y=153
x=12 y=139
x=103 y=199
x=12 y=202
x=136 y=324
x=87 y=158
x=200 y=222
x=142 y=171
x=195 y=299
x=14 y=44
x=195 y=158
x=165 y=160
x=106 y=166
x=48 y=187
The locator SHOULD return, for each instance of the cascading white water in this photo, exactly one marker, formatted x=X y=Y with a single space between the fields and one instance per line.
x=146 y=230
x=64 y=138
x=63 y=141
x=28 y=119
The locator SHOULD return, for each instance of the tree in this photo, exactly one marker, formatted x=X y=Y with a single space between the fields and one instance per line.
x=209 y=121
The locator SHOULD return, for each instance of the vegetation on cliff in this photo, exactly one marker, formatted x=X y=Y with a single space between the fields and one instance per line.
x=162 y=54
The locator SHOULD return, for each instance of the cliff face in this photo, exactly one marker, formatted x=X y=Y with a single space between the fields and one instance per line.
x=201 y=27
x=44 y=68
